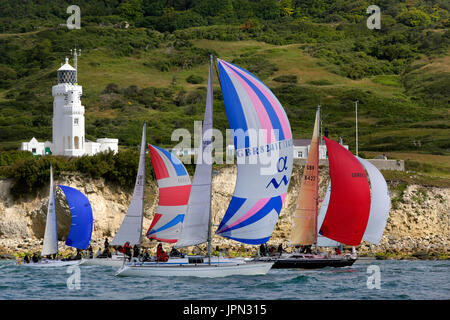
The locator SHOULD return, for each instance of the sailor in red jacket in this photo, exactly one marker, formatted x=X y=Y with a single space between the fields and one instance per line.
x=161 y=255
x=127 y=249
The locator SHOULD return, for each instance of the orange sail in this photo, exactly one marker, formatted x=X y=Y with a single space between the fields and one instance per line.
x=304 y=230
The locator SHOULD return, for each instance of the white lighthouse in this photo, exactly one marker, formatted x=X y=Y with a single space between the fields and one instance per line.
x=68 y=114
x=68 y=120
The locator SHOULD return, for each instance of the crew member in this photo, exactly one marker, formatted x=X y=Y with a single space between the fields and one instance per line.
x=161 y=255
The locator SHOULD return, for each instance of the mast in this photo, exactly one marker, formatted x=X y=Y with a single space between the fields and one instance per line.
x=143 y=191
x=356 y=119
x=210 y=97
x=317 y=181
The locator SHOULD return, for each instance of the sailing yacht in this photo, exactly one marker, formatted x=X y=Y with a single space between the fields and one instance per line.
x=131 y=228
x=80 y=229
x=261 y=130
x=350 y=212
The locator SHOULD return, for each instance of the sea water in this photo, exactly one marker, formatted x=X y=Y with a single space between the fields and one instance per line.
x=366 y=279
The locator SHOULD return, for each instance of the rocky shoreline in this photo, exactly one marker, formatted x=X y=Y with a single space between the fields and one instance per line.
x=417 y=228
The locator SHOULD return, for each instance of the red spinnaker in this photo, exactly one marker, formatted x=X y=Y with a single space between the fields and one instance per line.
x=349 y=207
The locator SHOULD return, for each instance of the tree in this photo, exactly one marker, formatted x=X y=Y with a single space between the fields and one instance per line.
x=286 y=8
x=268 y=9
x=131 y=9
x=414 y=18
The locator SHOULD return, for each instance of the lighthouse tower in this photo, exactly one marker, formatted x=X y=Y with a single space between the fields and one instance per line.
x=68 y=120
x=68 y=114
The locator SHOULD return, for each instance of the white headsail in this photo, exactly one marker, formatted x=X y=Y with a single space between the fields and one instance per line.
x=196 y=223
x=51 y=230
x=379 y=205
x=131 y=227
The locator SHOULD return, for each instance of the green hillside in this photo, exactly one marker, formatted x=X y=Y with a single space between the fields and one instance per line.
x=308 y=53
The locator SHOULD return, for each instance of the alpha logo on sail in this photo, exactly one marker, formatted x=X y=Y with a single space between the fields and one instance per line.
x=276 y=184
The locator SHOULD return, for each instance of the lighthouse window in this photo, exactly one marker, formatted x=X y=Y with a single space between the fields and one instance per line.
x=75 y=121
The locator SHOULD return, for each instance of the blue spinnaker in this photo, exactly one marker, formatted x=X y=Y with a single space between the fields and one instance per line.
x=82 y=220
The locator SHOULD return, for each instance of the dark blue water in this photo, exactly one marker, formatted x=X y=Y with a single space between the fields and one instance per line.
x=401 y=279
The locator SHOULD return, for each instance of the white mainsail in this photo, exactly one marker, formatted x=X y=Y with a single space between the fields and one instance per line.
x=379 y=205
x=131 y=227
x=51 y=230
x=196 y=224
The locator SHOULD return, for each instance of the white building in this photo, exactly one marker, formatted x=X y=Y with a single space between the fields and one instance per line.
x=68 y=125
x=36 y=147
x=301 y=148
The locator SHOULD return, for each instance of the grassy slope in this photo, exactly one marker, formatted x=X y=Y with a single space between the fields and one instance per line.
x=98 y=67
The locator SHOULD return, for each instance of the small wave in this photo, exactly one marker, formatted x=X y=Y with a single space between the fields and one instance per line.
x=268 y=285
x=300 y=279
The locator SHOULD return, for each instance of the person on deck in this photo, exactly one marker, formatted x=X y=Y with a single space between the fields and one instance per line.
x=338 y=251
x=262 y=250
x=107 y=253
x=161 y=255
x=280 y=249
x=78 y=255
x=174 y=252
x=136 y=251
x=127 y=250
x=106 y=244
x=146 y=256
